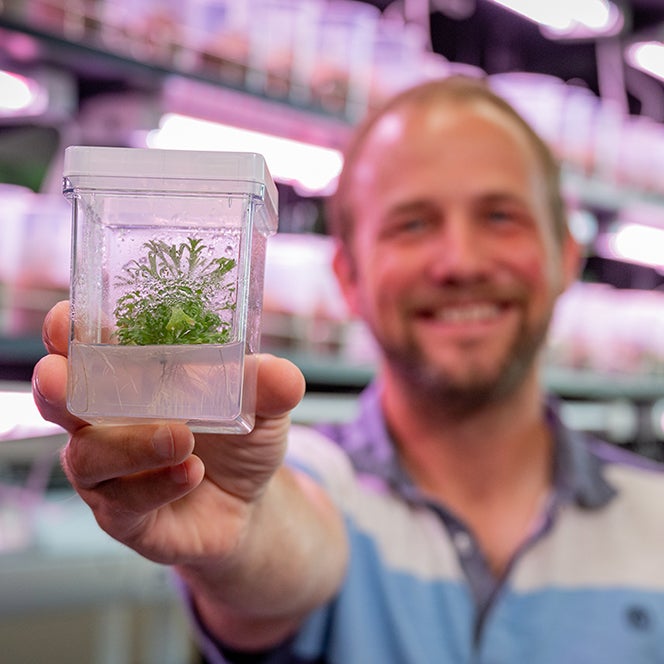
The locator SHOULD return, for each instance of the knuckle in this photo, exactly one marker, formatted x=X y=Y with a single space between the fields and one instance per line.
x=76 y=464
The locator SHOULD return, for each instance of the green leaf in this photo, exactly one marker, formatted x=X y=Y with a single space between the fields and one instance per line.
x=170 y=296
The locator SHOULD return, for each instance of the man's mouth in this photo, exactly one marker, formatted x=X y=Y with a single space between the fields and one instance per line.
x=466 y=313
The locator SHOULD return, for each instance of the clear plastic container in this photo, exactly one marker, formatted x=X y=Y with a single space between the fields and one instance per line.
x=150 y=30
x=281 y=43
x=167 y=282
x=342 y=62
x=217 y=38
x=396 y=58
x=40 y=250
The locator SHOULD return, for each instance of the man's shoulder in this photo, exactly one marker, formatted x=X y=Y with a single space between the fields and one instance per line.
x=317 y=454
x=613 y=455
x=637 y=480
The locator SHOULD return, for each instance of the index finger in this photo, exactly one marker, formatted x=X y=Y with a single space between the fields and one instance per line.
x=49 y=390
x=55 y=331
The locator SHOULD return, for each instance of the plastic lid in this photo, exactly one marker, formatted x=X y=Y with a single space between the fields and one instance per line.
x=173 y=164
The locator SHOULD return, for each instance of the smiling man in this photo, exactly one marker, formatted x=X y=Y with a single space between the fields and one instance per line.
x=456 y=520
x=454 y=258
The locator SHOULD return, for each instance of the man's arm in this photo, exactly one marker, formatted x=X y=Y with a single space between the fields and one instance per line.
x=258 y=545
x=291 y=561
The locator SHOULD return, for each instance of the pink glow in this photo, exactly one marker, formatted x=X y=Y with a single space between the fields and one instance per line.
x=20 y=95
x=565 y=18
x=635 y=243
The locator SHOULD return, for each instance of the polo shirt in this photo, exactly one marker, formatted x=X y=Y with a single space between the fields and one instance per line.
x=586 y=587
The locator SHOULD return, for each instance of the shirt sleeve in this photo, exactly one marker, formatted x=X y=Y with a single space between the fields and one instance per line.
x=309 y=452
x=216 y=652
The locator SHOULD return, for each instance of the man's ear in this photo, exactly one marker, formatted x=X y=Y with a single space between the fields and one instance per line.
x=571 y=263
x=345 y=270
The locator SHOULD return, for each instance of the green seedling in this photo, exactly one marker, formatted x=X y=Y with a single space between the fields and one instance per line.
x=174 y=296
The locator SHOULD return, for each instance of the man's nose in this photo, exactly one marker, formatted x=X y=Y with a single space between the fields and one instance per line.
x=459 y=252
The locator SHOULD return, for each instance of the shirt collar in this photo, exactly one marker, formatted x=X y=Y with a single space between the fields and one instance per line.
x=578 y=473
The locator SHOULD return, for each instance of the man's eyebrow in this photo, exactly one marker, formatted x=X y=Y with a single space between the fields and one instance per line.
x=483 y=198
x=409 y=206
x=502 y=197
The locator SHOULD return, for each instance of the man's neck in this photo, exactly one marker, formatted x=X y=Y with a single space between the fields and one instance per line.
x=492 y=468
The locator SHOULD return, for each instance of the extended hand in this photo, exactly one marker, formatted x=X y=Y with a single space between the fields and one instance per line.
x=172 y=497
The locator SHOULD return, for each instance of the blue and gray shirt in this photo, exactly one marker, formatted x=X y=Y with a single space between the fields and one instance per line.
x=587 y=587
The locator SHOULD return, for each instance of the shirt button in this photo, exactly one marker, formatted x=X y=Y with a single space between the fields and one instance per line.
x=463 y=542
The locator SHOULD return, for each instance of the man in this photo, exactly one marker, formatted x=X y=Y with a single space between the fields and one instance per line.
x=456 y=520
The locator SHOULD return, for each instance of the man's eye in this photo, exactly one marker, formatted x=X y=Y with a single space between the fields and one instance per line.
x=413 y=225
x=501 y=214
x=507 y=217
x=407 y=228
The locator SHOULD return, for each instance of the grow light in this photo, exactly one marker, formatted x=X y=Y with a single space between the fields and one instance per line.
x=569 y=18
x=647 y=56
x=312 y=168
x=20 y=95
x=634 y=243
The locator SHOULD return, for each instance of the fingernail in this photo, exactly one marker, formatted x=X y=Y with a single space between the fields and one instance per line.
x=37 y=388
x=46 y=327
x=179 y=474
x=162 y=441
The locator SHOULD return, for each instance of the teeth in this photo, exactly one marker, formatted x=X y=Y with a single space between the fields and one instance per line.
x=467 y=313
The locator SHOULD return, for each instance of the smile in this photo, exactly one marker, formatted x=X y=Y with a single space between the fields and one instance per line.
x=468 y=313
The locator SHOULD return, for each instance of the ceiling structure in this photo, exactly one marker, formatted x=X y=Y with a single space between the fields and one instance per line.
x=483 y=34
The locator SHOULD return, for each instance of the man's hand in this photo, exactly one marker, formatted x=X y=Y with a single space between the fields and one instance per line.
x=258 y=545
x=146 y=485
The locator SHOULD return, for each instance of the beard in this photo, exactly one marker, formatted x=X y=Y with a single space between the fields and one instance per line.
x=479 y=386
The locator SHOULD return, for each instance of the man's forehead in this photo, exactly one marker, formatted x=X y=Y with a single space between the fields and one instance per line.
x=389 y=127
x=408 y=123
x=409 y=131
x=429 y=114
